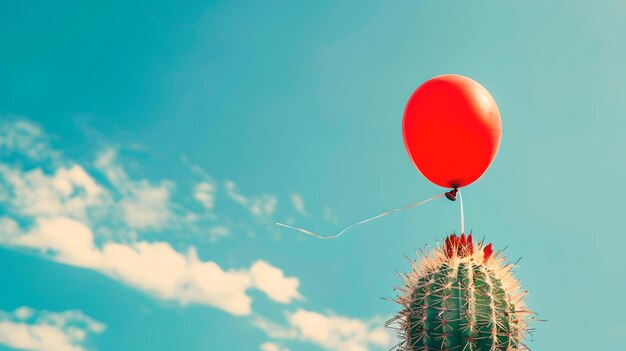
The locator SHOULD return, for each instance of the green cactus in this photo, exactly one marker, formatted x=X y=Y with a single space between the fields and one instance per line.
x=459 y=298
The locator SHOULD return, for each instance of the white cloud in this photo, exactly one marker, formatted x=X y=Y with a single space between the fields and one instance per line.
x=262 y=206
x=273 y=282
x=143 y=205
x=204 y=192
x=156 y=268
x=298 y=203
x=273 y=329
x=106 y=162
x=218 y=232
x=26 y=138
x=170 y=275
x=8 y=229
x=270 y=346
x=128 y=205
x=48 y=331
x=146 y=206
x=69 y=191
x=24 y=312
x=233 y=193
x=337 y=333
x=71 y=241
x=331 y=332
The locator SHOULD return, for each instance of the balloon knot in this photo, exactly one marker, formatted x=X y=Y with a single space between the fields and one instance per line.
x=451 y=195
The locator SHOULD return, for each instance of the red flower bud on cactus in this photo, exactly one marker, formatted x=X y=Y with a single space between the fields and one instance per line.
x=488 y=251
x=463 y=246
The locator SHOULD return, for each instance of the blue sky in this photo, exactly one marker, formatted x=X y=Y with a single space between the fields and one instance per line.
x=148 y=148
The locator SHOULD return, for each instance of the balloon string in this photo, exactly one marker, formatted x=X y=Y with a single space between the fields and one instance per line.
x=462 y=216
x=361 y=222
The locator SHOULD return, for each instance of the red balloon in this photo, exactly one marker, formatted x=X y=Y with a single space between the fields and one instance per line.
x=452 y=130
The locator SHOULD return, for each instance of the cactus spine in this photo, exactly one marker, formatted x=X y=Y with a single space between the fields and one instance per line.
x=461 y=297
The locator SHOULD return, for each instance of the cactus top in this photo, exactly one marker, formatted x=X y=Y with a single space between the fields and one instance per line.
x=461 y=296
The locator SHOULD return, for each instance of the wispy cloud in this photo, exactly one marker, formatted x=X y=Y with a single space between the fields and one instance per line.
x=330 y=215
x=270 y=346
x=143 y=205
x=298 y=203
x=330 y=331
x=69 y=190
x=27 y=329
x=262 y=206
x=204 y=193
x=218 y=232
x=24 y=137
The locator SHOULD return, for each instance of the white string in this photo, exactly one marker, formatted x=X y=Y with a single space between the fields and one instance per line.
x=462 y=217
x=361 y=222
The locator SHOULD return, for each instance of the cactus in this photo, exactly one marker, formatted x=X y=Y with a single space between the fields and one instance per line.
x=461 y=296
